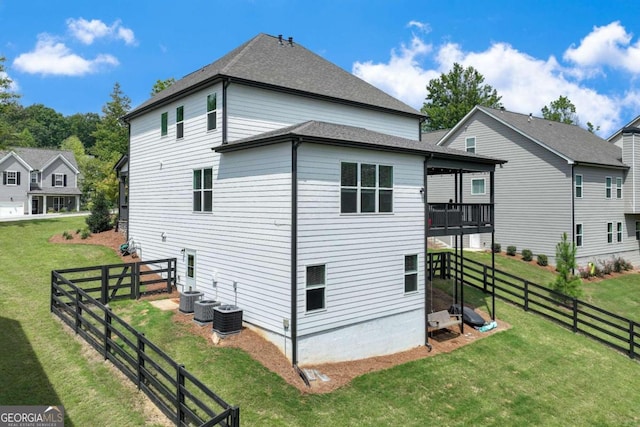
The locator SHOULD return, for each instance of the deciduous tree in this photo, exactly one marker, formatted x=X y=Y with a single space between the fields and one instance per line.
x=561 y=110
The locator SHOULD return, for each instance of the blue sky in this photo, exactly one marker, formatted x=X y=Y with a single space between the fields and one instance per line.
x=68 y=55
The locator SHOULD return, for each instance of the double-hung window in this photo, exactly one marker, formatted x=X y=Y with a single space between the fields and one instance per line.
x=11 y=178
x=410 y=273
x=619 y=232
x=366 y=188
x=164 y=123
x=212 y=106
x=579 y=235
x=203 y=190
x=315 y=287
x=609 y=232
x=618 y=188
x=180 y=122
x=607 y=186
x=59 y=180
x=579 y=186
x=470 y=144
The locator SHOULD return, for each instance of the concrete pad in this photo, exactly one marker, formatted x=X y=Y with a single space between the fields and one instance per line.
x=165 y=304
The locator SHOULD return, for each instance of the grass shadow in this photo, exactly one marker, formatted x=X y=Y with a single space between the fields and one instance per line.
x=23 y=380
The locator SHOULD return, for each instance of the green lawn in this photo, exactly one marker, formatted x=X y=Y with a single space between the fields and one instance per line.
x=535 y=373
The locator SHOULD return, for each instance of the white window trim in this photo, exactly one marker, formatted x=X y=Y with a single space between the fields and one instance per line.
x=15 y=178
x=201 y=191
x=359 y=188
x=166 y=130
x=581 y=235
x=308 y=287
x=637 y=230
x=484 y=186
x=209 y=112
x=619 y=187
x=55 y=180
x=411 y=272
x=466 y=144
x=610 y=234
x=581 y=186
x=619 y=232
x=180 y=123
x=608 y=187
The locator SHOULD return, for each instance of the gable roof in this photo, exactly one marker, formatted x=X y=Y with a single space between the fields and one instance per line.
x=570 y=142
x=40 y=158
x=277 y=64
x=357 y=137
x=633 y=123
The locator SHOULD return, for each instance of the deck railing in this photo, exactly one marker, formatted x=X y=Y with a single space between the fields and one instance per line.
x=470 y=217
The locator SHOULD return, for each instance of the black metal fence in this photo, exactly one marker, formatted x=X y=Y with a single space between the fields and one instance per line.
x=117 y=281
x=177 y=393
x=611 y=329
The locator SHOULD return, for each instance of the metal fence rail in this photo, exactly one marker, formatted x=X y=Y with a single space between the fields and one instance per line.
x=177 y=393
x=611 y=329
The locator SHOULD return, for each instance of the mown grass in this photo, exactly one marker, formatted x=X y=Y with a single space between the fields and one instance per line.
x=535 y=373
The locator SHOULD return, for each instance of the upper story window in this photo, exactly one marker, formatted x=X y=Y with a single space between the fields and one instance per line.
x=315 y=287
x=410 y=273
x=366 y=188
x=35 y=177
x=579 y=186
x=579 y=235
x=470 y=144
x=618 y=188
x=180 y=122
x=203 y=190
x=59 y=180
x=608 y=187
x=11 y=178
x=211 y=111
x=477 y=187
x=164 y=123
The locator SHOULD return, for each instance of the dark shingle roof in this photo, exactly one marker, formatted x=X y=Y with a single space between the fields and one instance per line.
x=264 y=60
x=351 y=136
x=570 y=141
x=434 y=136
x=37 y=158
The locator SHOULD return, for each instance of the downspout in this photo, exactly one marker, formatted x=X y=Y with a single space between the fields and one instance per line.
x=128 y=179
x=294 y=250
x=492 y=200
x=426 y=254
x=225 y=84
x=573 y=206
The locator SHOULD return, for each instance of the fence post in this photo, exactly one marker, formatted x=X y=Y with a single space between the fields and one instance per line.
x=180 y=396
x=135 y=281
x=235 y=417
x=170 y=264
x=632 y=343
x=53 y=288
x=107 y=331
x=484 y=277
x=140 y=352
x=526 y=295
x=104 y=285
x=575 y=314
x=78 y=310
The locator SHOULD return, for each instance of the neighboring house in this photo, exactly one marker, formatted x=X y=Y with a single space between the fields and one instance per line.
x=559 y=179
x=291 y=188
x=38 y=181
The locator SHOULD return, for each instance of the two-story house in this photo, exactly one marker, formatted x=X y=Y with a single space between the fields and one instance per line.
x=293 y=189
x=38 y=181
x=559 y=179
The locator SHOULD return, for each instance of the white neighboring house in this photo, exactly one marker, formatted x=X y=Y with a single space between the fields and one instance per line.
x=38 y=181
x=279 y=172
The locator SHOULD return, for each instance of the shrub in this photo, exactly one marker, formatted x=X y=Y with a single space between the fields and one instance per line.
x=511 y=250
x=85 y=234
x=100 y=218
x=542 y=260
x=606 y=266
x=496 y=248
x=67 y=235
x=620 y=265
x=78 y=231
x=527 y=255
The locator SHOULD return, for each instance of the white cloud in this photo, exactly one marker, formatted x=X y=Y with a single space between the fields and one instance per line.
x=525 y=83
x=88 y=31
x=609 y=45
x=421 y=26
x=51 y=57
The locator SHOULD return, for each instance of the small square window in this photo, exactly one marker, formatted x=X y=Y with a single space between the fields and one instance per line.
x=477 y=187
x=366 y=188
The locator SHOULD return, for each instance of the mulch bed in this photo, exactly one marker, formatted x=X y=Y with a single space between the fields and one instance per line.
x=273 y=359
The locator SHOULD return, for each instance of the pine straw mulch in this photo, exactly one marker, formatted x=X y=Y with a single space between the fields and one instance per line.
x=272 y=358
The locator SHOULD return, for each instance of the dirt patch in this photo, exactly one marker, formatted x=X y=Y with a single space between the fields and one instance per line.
x=273 y=359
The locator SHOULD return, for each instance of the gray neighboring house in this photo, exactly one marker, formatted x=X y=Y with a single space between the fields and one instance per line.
x=559 y=178
x=38 y=181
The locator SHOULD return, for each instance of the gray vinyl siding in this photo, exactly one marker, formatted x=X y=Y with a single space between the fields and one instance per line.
x=532 y=190
x=252 y=111
x=631 y=156
x=363 y=253
x=57 y=167
x=16 y=192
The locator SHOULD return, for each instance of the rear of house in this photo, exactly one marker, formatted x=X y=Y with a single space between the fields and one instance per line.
x=292 y=193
